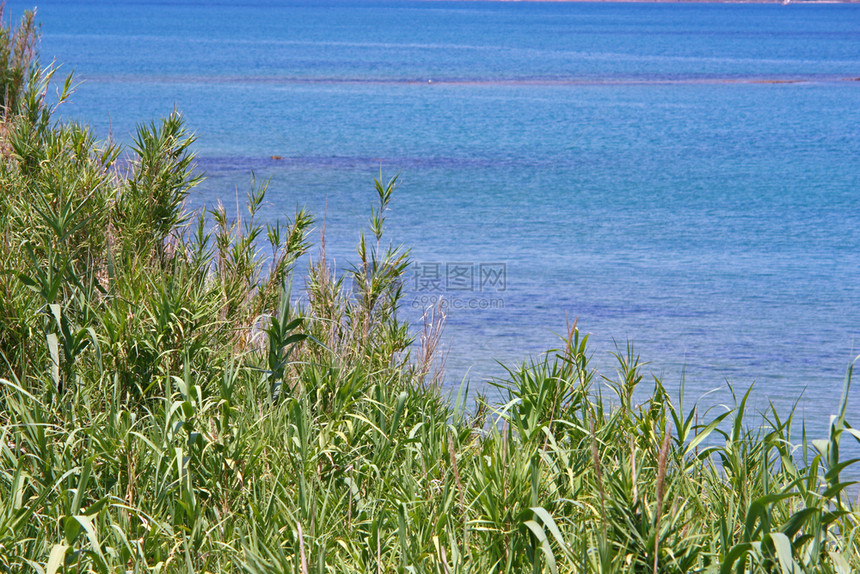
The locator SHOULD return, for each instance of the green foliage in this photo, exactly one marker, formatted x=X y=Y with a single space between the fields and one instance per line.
x=149 y=209
x=17 y=55
x=165 y=406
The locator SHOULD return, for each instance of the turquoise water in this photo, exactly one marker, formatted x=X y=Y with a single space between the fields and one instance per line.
x=682 y=176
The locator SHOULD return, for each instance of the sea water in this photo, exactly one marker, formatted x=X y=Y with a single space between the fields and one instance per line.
x=685 y=177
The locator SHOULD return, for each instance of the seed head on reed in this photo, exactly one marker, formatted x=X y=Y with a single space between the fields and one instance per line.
x=661 y=482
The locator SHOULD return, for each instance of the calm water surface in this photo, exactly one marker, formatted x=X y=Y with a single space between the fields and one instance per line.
x=686 y=177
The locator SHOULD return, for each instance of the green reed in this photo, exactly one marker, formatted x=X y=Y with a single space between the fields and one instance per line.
x=167 y=404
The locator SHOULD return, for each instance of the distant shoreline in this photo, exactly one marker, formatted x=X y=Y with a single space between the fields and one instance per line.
x=677 y=1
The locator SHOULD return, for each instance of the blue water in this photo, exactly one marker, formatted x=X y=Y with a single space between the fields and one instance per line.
x=686 y=177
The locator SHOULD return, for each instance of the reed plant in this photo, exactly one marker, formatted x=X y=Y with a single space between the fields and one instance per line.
x=167 y=404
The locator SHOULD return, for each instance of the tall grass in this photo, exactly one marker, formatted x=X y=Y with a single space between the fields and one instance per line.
x=166 y=404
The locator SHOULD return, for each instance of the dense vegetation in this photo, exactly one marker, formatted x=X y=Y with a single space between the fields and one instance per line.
x=165 y=406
